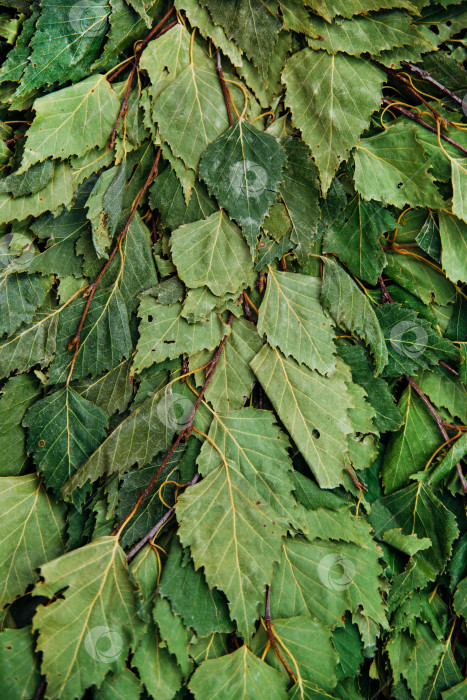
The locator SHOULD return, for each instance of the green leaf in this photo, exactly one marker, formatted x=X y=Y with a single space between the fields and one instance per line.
x=354 y=238
x=373 y=33
x=412 y=445
x=174 y=634
x=331 y=99
x=18 y=393
x=418 y=511
x=164 y=334
x=157 y=668
x=233 y=380
x=100 y=636
x=111 y=391
x=35 y=532
x=456 y=692
x=59 y=190
x=312 y=407
x=242 y=169
x=64 y=429
x=192 y=113
x=167 y=197
x=351 y=309
x=124 y=685
x=137 y=439
x=300 y=192
x=19 y=667
x=292 y=319
x=347 y=8
x=392 y=168
x=252 y=25
x=411 y=341
x=453 y=234
x=20 y=295
x=33 y=343
x=250 y=439
x=445 y=391
x=66 y=41
x=91 y=102
x=217 y=517
x=323 y=578
x=238 y=676
x=459 y=184
x=104 y=340
x=212 y=253
x=387 y=415
x=201 y=608
x=309 y=650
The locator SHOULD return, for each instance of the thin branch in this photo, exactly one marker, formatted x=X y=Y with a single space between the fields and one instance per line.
x=424 y=75
x=91 y=290
x=440 y=423
x=142 y=45
x=154 y=530
x=394 y=74
x=449 y=368
x=386 y=296
x=14 y=139
x=225 y=90
x=423 y=123
x=41 y=690
x=271 y=638
x=186 y=430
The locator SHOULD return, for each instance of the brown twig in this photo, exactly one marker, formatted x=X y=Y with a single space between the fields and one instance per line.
x=246 y=306
x=41 y=689
x=154 y=530
x=359 y=484
x=91 y=290
x=270 y=633
x=449 y=368
x=186 y=430
x=394 y=74
x=440 y=423
x=14 y=139
x=423 y=123
x=424 y=75
x=225 y=90
x=142 y=45
x=386 y=296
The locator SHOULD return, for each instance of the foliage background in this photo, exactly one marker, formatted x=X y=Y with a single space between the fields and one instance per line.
x=233 y=349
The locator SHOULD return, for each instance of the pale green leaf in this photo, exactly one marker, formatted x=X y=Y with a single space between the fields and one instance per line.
x=293 y=319
x=19 y=668
x=331 y=99
x=212 y=253
x=453 y=232
x=312 y=407
x=232 y=534
x=238 y=676
x=91 y=103
x=80 y=638
x=459 y=184
x=392 y=168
